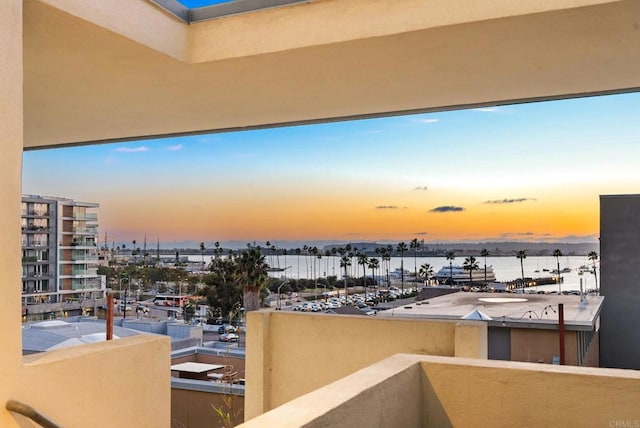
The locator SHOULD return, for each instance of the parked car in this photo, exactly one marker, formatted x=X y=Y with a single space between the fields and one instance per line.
x=228 y=337
x=227 y=328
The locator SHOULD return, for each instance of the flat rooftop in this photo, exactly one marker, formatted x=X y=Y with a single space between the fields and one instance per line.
x=507 y=309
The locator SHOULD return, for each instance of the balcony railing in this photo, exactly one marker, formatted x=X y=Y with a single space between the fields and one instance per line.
x=31 y=413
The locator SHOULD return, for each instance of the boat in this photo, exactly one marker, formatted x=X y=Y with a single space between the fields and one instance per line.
x=277 y=269
x=461 y=276
x=585 y=269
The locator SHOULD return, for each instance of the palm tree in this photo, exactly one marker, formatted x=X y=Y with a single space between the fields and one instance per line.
x=451 y=256
x=386 y=257
x=345 y=262
x=364 y=261
x=298 y=251
x=426 y=272
x=485 y=253
x=373 y=265
x=252 y=277
x=201 y=254
x=402 y=247
x=470 y=264
x=415 y=244
x=593 y=256
x=270 y=263
x=557 y=254
x=522 y=255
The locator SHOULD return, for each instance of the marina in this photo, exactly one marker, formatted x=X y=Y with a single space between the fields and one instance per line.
x=505 y=269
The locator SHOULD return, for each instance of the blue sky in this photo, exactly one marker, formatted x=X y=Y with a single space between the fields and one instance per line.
x=542 y=164
x=199 y=3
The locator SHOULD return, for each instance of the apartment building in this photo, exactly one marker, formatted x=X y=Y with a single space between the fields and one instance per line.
x=59 y=257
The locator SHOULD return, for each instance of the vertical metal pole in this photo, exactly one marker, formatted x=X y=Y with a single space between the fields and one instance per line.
x=109 y=316
x=561 y=332
x=124 y=305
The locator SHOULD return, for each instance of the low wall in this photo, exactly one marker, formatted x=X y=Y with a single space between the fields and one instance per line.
x=125 y=380
x=430 y=391
x=290 y=354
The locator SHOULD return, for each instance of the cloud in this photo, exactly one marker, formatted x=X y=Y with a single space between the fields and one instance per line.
x=387 y=207
x=508 y=201
x=427 y=120
x=420 y=188
x=421 y=233
x=446 y=209
x=487 y=109
x=175 y=147
x=132 y=149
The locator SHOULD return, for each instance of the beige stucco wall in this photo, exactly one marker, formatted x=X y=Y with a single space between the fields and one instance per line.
x=94 y=63
x=431 y=391
x=125 y=382
x=474 y=393
x=91 y=385
x=386 y=394
x=10 y=188
x=325 y=22
x=290 y=354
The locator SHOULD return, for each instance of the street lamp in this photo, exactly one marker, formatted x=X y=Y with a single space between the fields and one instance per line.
x=279 y=301
x=123 y=305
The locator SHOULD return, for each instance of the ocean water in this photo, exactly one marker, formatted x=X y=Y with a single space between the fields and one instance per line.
x=505 y=268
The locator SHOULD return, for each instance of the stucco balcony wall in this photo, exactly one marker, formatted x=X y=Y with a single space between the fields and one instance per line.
x=124 y=382
x=430 y=391
x=290 y=354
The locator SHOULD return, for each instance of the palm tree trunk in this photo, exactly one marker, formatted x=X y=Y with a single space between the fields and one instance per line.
x=251 y=300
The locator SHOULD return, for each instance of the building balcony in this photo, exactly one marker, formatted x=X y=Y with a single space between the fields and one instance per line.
x=429 y=391
x=331 y=370
x=81 y=217
x=80 y=231
x=82 y=369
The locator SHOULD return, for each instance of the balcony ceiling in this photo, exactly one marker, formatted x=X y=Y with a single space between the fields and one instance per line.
x=97 y=71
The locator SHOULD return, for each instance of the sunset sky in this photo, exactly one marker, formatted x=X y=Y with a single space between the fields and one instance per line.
x=524 y=172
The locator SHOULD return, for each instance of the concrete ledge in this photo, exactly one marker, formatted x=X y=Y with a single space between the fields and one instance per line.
x=385 y=394
x=204 y=386
x=121 y=380
x=419 y=390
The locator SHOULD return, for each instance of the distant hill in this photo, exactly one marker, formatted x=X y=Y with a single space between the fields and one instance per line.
x=506 y=248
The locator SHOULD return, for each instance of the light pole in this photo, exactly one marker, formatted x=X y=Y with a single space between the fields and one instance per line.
x=123 y=304
x=279 y=302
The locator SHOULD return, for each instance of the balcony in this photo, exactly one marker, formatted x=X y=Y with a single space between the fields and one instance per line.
x=80 y=231
x=46 y=372
x=291 y=354
x=81 y=217
x=429 y=391
x=331 y=370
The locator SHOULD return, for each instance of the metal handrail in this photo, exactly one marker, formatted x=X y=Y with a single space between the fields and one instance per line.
x=31 y=413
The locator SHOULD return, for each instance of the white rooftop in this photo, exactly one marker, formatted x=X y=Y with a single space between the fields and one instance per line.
x=513 y=310
x=194 y=367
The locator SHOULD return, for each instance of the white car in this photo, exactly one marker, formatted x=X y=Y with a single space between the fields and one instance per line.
x=228 y=337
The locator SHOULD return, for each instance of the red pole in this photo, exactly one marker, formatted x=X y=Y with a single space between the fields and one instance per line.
x=109 y=316
x=561 y=331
